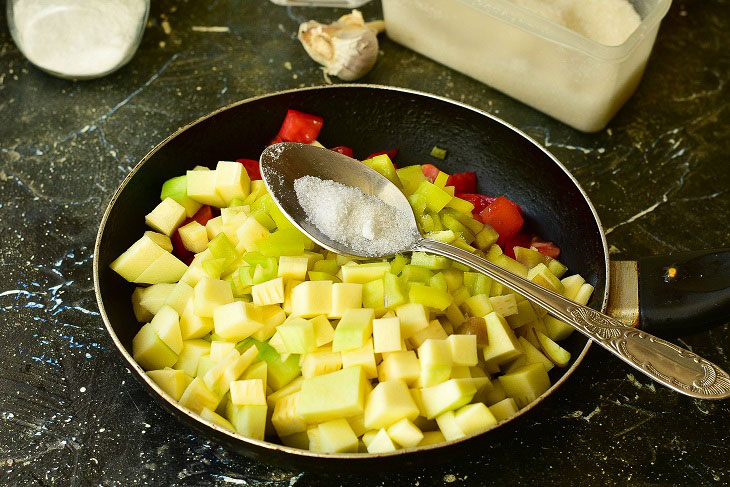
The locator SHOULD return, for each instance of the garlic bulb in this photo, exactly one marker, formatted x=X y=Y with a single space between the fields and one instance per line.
x=347 y=48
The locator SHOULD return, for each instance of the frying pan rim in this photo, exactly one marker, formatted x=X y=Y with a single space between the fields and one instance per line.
x=295 y=451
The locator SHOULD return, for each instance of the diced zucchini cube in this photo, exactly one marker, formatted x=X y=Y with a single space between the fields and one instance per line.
x=353 y=330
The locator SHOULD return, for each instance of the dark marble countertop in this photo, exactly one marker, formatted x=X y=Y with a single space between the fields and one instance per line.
x=71 y=414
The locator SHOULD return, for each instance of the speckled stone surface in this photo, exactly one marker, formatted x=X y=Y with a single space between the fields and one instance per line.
x=70 y=413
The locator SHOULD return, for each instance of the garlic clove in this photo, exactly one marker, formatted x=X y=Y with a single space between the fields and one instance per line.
x=347 y=48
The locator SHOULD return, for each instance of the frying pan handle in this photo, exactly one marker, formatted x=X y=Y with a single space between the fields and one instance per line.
x=686 y=293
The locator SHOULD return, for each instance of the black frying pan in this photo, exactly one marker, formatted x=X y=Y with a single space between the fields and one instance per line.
x=370 y=119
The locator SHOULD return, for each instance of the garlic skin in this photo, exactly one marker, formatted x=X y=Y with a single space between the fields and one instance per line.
x=347 y=48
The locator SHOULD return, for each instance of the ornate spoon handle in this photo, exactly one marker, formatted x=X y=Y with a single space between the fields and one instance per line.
x=666 y=363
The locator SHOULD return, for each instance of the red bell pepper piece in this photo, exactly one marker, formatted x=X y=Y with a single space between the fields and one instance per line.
x=391 y=154
x=345 y=151
x=178 y=249
x=465 y=182
x=508 y=245
x=300 y=127
x=430 y=171
x=253 y=168
x=276 y=140
x=202 y=216
x=504 y=216
x=478 y=200
x=546 y=248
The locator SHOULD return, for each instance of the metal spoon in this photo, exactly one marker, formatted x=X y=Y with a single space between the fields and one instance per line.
x=666 y=363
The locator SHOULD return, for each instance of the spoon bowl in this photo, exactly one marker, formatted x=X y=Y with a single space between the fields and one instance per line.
x=677 y=368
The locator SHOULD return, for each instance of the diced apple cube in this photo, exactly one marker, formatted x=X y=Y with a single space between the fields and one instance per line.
x=541 y=275
x=402 y=365
x=293 y=267
x=231 y=181
x=557 y=329
x=524 y=385
x=192 y=325
x=190 y=355
x=324 y=332
x=505 y=305
x=389 y=402
x=525 y=314
x=405 y=433
x=249 y=420
x=201 y=188
x=345 y=296
x=413 y=318
x=272 y=316
x=219 y=349
x=502 y=343
x=446 y=396
x=216 y=419
x=353 y=330
x=151 y=299
x=386 y=335
x=133 y=261
x=463 y=349
x=432 y=438
x=478 y=305
x=336 y=436
x=362 y=273
x=174 y=382
x=167 y=326
x=381 y=443
x=237 y=320
x=166 y=216
x=474 y=418
x=209 y=294
x=150 y=352
x=198 y=396
x=160 y=239
x=320 y=363
x=504 y=408
x=194 y=237
x=435 y=360
x=297 y=335
x=449 y=427
x=336 y=395
x=557 y=354
x=249 y=233
x=179 y=296
x=312 y=298
x=434 y=330
x=364 y=356
x=285 y=419
x=166 y=268
x=245 y=392
x=571 y=285
x=269 y=292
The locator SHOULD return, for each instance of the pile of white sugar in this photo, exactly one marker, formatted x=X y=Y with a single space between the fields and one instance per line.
x=364 y=223
x=609 y=22
x=84 y=38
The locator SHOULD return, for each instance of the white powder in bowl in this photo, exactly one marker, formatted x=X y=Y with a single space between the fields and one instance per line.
x=609 y=22
x=80 y=38
x=364 y=223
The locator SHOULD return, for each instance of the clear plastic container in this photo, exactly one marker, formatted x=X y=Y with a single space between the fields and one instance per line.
x=78 y=39
x=555 y=70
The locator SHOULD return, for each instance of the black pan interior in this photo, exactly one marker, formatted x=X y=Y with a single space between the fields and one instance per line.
x=368 y=119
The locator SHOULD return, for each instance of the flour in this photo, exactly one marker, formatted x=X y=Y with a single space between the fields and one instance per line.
x=365 y=223
x=80 y=38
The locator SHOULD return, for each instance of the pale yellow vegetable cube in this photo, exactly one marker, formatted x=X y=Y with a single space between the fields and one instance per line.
x=447 y=396
x=297 y=440
x=198 y=396
x=354 y=329
x=312 y=298
x=313 y=437
x=364 y=356
x=381 y=443
x=449 y=427
x=269 y=292
x=320 y=363
x=474 y=418
x=167 y=326
x=248 y=233
x=324 y=332
x=403 y=366
x=335 y=395
x=541 y=275
x=386 y=335
x=237 y=320
x=432 y=438
x=166 y=268
x=524 y=385
x=463 y=350
x=166 y=216
x=435 y=360
x=584 y=294
x=257 y=370
x=138 y=257
x=336 y=436
x=231 y=181
x=179 y=296
x=502 y=343
x=150 y=299
x=216 y=419
x=190 y=355
x=285 y=419
x=192 y=325
x=405 y=433
x=505 y=305
x=293 y=267
x=290 y=388
x=288 y=290
x=248 y=392
x=160 y=239
x=209 y=294
x=357 y=423
x=194 y=237
x=460 y=372
x=413 y=318
x=272 y=316
x=249 y=419
x=389 y=402
x=219 y=349
x=345 y=296
x=504 y=409
x=362 y=273
x=571 y=285
x=214 y=227
x=297 y=335
x=434 y=330
x=557 y=329
x=174 y=382
x=201 y=188
x=150 y=352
